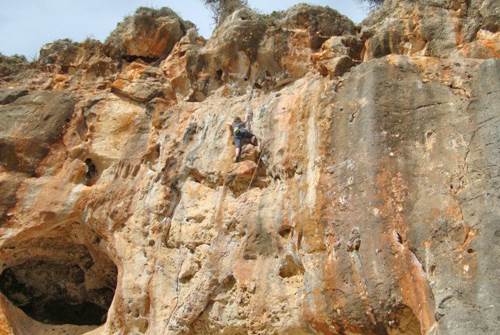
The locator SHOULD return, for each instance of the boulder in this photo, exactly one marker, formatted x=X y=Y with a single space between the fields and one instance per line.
x=334 y=67
x=184 y=62
x=148 y=34
x=486 y=45
x=242 y=175
x=320 y=22
x=142 y=83
x=141 y=90
x=345 y=45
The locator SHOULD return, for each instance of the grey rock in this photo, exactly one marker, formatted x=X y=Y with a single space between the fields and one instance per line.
x=8 y=184
x=354 y=240
x=10 y=95
x=11 y=65
x=402 y=139
x=476 y=296
x=66 y=56
x=29 y=125
x=322 y=22
x=62 y=52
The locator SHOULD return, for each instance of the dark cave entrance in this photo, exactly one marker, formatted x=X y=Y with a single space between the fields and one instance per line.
x=61 y=282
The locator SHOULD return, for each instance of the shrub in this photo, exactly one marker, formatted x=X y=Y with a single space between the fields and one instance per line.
x=223 y=8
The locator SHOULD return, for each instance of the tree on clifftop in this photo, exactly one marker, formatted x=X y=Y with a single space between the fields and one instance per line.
x=223 y=8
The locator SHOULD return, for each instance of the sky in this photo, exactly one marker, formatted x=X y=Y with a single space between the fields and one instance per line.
x=26 y=25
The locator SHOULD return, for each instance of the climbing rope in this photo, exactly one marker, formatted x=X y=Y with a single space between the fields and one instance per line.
x=180 y=260
x=249 y=116
x=249 y=119
x=254 y=174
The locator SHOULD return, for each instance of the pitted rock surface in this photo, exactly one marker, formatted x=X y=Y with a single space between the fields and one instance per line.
x=370 y=205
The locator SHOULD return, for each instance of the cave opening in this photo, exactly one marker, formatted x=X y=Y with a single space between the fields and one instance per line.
x=60 y=282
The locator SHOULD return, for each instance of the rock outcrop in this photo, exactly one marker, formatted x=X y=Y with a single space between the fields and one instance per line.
x=30 y=125
x=11 y=65
x=148 y=34
x=67 y=57
x=369 y=207
x=436 y=28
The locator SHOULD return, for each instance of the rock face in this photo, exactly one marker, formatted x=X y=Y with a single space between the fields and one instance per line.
x=10 y=66
x=369 y=207
x=437 y=28
x=30 y=124
x=148 y=34
x=68 y=57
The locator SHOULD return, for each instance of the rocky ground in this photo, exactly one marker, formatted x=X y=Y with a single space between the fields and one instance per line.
x=371 y=207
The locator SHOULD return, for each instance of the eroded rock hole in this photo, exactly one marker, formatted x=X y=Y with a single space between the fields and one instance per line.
x=56 y=281
x=290 y=267
x=218 y=74
x=399 y=238
x=90 y=173
x=404 y=321
x=134 y=58
x=285 y=231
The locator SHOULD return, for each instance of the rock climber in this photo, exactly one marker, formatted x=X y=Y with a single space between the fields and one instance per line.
x=241 y=136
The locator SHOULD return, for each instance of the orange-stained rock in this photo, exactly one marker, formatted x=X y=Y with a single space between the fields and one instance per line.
x=486 y=45
x=250 y=50
x=403 y=27
x=86 y=59
x=369 y=206
x=149 y=33
x=5 y=327
x=181 y=65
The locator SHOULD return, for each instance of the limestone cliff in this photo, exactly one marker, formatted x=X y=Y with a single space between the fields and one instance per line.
x=370 y=207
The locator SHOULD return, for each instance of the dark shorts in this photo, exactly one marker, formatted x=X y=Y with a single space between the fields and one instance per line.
x=243 y=137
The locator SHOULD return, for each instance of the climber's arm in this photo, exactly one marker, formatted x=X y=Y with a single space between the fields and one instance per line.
x=248 y=118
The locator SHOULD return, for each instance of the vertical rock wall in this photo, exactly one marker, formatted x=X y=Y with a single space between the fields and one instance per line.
x=369 y=207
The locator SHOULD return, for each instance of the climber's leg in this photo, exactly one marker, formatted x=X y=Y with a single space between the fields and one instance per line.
x=237 y=152
x=237 y=155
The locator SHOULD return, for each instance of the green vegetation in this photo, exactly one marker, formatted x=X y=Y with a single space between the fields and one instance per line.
x=374 y=3
x=11 y=64
x=222 y=8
